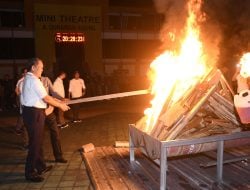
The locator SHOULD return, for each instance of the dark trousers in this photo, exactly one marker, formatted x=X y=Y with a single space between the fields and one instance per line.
x=75 y=109
x=60 y=116
x=20 y=127
x=34 y=121
x=51 y=122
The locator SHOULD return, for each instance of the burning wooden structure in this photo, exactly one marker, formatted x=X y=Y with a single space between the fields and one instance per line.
x=192 y=110
x=202 y=120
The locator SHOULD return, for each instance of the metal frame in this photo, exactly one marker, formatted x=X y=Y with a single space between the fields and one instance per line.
x=220 y=139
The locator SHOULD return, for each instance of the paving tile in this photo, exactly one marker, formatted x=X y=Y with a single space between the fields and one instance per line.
x=69 y=177
x=66 y=183
x=82 y=188
x=72 y=171
x=51 y=184
x=5 y=186
x=60 y=167
x=19 y=186
x=57 y=172
x=82 y=183
x=53 y=178
x=65 y=188
x=35 y=185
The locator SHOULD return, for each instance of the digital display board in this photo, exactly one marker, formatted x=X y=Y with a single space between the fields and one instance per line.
x=69 y=37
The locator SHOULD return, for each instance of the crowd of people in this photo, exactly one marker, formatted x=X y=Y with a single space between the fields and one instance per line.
x=41 y=103
x=97 y=84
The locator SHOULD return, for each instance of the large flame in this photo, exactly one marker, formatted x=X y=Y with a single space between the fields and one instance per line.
x=245 y=65
x=172 y=73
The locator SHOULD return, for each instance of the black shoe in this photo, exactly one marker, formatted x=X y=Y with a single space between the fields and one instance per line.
x=48 y=168
x=61 y=160
x=34 y=178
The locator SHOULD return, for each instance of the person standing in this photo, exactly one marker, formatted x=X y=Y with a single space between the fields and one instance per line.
x=8 y=90
x=76 y=90
x=20 y=128
x=50 y=121
x=59 y=89
x=34 y=99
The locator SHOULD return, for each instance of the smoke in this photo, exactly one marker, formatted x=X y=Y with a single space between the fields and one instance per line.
x=225 y=32
x=175 y=14
x=232 y=17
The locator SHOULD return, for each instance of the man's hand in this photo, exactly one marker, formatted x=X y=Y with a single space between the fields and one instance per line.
x=64 y=107
x=65 y=100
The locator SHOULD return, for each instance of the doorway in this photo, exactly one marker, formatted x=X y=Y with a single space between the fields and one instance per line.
x=69 y=58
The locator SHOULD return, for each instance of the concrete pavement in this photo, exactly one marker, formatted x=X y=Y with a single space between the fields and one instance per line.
x=103 y=124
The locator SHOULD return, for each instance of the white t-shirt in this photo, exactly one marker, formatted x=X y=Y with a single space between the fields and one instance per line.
x=33 y=92
x=58 y=87
x=75 y=87
x=19 y=84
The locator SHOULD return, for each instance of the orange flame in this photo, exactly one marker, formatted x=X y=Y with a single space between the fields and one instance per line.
x=173 y=74
x=245 y=65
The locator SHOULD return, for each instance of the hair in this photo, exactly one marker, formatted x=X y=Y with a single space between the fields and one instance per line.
x=23 y=69
x=32 y=62
x=76 y=72
x=61 y=73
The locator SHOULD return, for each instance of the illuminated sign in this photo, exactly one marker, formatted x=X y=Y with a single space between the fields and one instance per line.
x=69 y=37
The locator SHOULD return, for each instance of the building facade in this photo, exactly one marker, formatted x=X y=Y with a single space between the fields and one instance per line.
x=101 y=37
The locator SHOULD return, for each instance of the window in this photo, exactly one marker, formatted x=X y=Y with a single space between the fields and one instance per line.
x=115 y=22
x=111 y=49
x=16 y=48
x=11 y=19
x=131 y=3
x=129 y=49
x=5 y=48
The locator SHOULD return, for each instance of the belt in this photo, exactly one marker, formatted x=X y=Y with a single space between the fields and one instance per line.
x=31 y=107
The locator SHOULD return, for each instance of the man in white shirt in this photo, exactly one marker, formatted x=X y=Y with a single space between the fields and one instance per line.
x=76 y=90
x=59 y=89
x=34 y=99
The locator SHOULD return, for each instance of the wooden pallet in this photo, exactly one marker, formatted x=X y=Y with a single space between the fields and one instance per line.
x=109 y=169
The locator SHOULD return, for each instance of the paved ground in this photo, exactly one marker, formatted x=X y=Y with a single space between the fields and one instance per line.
x=103 y=124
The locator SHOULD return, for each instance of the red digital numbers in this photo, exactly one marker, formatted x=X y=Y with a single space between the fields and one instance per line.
x=69 y=37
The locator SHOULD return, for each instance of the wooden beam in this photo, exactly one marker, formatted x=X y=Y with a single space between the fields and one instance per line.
x=109 y=96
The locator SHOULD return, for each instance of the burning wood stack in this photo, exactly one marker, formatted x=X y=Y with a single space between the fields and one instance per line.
x=205 y=109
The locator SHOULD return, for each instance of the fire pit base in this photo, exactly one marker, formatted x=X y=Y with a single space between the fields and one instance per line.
x=160 y=150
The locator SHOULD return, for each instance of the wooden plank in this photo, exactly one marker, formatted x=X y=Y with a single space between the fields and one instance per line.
x=184 y=172
x=94 y=170
x=109 y=96
x=144 y=163
x=109 y=170
x=152 y=170
x=176 y=130
x=126 y=175
x=131 y=171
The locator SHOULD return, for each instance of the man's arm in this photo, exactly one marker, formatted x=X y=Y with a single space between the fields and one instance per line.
x=70 y=88
x=52 y=91
x=83 y=87
x=52 y=101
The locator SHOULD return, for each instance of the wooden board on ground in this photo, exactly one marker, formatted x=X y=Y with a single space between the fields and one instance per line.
x=110 y=169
